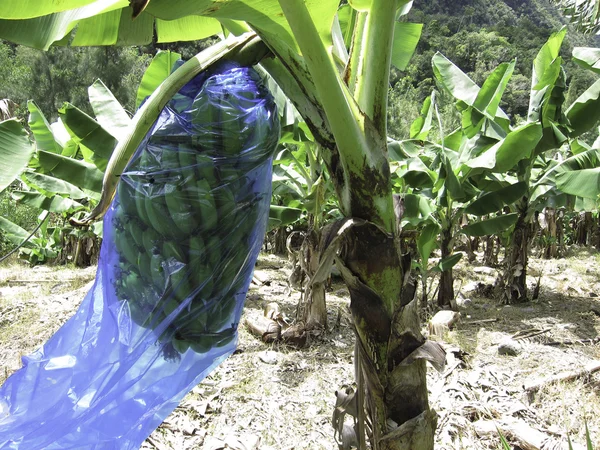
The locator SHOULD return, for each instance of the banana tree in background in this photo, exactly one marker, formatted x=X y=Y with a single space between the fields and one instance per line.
x=301 y=183
x=335 y=68
x=462 y=174
x=61 y=170
x=524 y=155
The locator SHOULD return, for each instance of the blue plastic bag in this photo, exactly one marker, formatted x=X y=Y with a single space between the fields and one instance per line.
x=180 y=242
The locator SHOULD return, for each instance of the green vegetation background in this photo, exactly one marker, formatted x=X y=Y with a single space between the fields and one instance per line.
x=477 y=35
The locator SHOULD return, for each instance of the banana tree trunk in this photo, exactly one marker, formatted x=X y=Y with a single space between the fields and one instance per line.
x=445 y=298
x=490 y=253
x=515 y=276
x=390 y=348
x=313 y=305
x=551 y=233
x=584 y=227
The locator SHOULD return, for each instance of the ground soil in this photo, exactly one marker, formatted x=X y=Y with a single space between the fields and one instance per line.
x=273 y=397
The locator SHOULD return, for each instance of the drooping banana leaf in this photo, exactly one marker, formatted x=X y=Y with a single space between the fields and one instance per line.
x=491 y=202
x=582 y=183
x=55 y=203
x=52 y=184
x=79 y=173
x=15 y=151
x=491 y=226
x=13 y=232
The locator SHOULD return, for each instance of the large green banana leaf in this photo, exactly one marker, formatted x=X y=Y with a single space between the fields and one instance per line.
x=427 y=241
x=582 y=183
x=15 y=151
x=108 y=111
x=109 y=22
x=588 y=57
x=53 y=185
x=406 y=38
x=87 y=132
x=491 y=226
x=79 y=173
x=518 y=144
x=463 y=89
x=13 y=232
x=42 y=132
x=24 y=9
x=55 y=203
x=417 y=209
x=491 y=202
x=280 y=216
x=421 y=126
x=160 y=68
x=584 y=113
x=41 y=31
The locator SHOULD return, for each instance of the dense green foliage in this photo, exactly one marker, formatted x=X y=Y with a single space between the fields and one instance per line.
x=64 y=74
x=477 y=36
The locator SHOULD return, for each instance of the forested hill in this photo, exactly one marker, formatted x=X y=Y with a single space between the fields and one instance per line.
x=478 y=35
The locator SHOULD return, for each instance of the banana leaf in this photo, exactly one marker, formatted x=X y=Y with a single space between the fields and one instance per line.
x=281 y=216
x=13 y=232
x=87 y=132
x=42 y=132
x=79 y=173
x=491 y=226
x=492 y=202
x=55 y=204
x=417 y=210
x=53 y=185
x=582 y=183
x=518 y=144
x=588 y=58
x=406 y=38
x=584 y=113
x=160 y=67
x=448 y=263
x=108 y=111
x=427 y=241
x=420 y=128
x=15 y=151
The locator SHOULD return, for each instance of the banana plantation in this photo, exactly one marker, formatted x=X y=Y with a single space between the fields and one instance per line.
x=249 y=260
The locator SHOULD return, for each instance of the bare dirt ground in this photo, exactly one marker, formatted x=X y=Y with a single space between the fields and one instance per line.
x=273 y=397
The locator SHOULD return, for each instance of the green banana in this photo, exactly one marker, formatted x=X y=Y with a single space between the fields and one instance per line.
x=180 y=211
x=189 y=209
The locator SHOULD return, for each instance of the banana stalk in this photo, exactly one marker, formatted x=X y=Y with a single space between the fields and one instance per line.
x=246 y=49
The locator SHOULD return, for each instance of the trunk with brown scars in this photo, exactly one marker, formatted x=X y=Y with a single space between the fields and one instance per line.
x=515 y=277
x=445 y=298
x=387 y=332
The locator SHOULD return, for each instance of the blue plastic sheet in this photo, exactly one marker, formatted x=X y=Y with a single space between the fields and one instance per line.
x=180 y=242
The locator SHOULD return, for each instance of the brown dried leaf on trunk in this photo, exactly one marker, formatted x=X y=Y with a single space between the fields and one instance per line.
x=429 y=351
x=345 y=434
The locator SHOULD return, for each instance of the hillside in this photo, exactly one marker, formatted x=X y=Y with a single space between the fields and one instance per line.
x=478 y=35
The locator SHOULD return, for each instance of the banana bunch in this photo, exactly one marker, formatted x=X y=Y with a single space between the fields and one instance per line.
x=191 y=208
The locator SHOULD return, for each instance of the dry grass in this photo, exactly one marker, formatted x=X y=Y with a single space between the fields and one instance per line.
x=284 y=399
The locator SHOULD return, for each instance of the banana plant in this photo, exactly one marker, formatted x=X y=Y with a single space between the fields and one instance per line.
x=523 y=154
x=301 y=182
x=456 y=172
x=60 y=167
x=335 y=69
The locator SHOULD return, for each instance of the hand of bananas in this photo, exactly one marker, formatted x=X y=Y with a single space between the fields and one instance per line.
x=191 y=210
